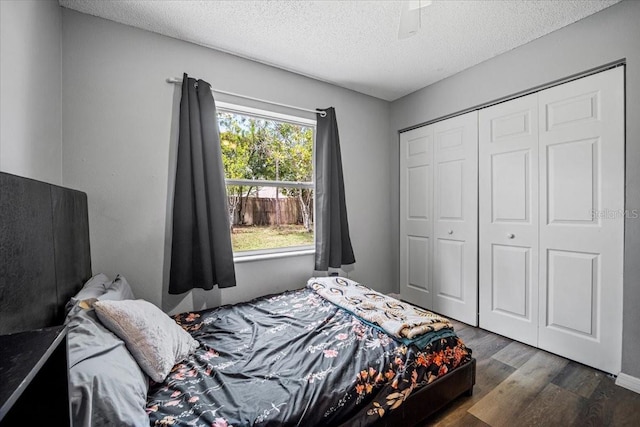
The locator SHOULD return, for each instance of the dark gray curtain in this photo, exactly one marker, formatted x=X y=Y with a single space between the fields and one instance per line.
x=333 y=244
x=201 y=253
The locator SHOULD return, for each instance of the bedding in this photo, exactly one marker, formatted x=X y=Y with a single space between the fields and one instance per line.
x=118 y=290
x=102 y=288
x=93 y=288
x=295 y=359
x=402 y=320
x=106 y=385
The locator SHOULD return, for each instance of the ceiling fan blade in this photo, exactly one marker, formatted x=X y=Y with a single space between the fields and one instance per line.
x=410 y=17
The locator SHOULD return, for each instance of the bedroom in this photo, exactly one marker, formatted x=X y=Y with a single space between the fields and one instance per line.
x=114 y=117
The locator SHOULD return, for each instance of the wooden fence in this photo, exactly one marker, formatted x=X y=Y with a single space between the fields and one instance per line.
x=262 y=211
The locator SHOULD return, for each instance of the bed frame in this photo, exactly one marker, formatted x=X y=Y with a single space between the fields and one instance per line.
x=430 y=399
x=44 y=244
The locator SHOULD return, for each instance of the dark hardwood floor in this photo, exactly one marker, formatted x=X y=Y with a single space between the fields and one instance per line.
x=518 y=385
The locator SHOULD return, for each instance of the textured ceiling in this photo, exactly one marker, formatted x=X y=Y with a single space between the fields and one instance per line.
x=353 y=44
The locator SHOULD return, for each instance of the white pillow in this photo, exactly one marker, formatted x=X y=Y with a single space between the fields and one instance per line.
x=153 y=338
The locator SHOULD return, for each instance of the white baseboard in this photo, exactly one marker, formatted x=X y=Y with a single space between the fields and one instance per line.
x=628 y=382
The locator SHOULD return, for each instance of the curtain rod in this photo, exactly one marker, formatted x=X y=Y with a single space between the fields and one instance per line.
x=178 y=81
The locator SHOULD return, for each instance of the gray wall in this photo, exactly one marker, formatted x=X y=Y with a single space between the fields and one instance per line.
x=119 y=138
x=30 y=123
x=605 y=37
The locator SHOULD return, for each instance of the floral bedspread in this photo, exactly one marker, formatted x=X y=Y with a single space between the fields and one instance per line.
x=293 y=359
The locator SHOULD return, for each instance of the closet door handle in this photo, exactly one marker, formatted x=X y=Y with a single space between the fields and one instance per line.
x=511 y=235
x=450 y=232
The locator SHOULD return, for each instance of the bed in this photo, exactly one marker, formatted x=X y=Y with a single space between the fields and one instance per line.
x=295 y=359
x=288 y=359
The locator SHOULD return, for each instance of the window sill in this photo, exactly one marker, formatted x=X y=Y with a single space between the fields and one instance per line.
x=238 y=259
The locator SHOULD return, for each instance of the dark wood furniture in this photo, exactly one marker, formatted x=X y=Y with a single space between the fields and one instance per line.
x=34 y=384
x=44 y=245
x=45 y=260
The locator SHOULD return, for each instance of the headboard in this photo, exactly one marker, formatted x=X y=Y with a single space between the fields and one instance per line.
x=44 y=251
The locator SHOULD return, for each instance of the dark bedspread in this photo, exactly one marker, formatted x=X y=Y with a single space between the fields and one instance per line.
x=293 y=359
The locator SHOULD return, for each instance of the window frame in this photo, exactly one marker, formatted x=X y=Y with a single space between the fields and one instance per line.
x=283 y=251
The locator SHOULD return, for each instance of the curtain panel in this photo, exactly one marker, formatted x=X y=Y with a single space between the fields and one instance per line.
x=333 y=244
x=201 y=252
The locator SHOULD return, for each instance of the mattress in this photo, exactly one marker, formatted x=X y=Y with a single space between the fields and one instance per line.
x=295 y=359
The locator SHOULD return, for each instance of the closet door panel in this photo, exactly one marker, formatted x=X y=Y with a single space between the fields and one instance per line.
x=418 y=270
x=511 y=186
x=582 y=223
x=508 y=218
x=451 y=269
x=455 y=231
x=572 y=181
x=416 y=224
x=572 y=291
x=418 y=209
x=511 y=280
x=450 y=199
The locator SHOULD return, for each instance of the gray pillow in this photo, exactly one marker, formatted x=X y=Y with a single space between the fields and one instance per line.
x=102 y=288
x=118 y=290
x=155 y=340
x=94 y=288
x=106 y=385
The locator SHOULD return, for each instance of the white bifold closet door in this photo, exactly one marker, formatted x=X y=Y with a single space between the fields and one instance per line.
x=581 y=219
x=455 y=225
x=438 y=217
x=508 y=215
x=416 y=219
x=551 y=219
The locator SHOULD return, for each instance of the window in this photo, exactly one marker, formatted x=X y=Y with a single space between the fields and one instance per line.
x=268 y=162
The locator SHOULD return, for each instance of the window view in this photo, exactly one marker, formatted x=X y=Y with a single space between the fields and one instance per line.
x=268 y=169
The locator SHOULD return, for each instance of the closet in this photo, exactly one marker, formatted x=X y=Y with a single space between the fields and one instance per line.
x=524 y=236
x=551 y=216
x=439 y=217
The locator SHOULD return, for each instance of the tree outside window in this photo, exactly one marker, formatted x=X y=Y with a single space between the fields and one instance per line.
x=269 y=172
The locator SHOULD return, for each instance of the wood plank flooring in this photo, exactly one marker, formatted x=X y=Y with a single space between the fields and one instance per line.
x=518 y=385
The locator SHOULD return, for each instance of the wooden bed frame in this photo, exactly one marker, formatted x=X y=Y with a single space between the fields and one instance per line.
x=44 y=241
x=44 y=232
x=430 y=399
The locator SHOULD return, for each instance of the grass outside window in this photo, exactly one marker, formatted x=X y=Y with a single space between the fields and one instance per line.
x=254 y=237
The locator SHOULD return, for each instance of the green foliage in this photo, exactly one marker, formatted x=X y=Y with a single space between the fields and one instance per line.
x=254 y=148
x=260 y=149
